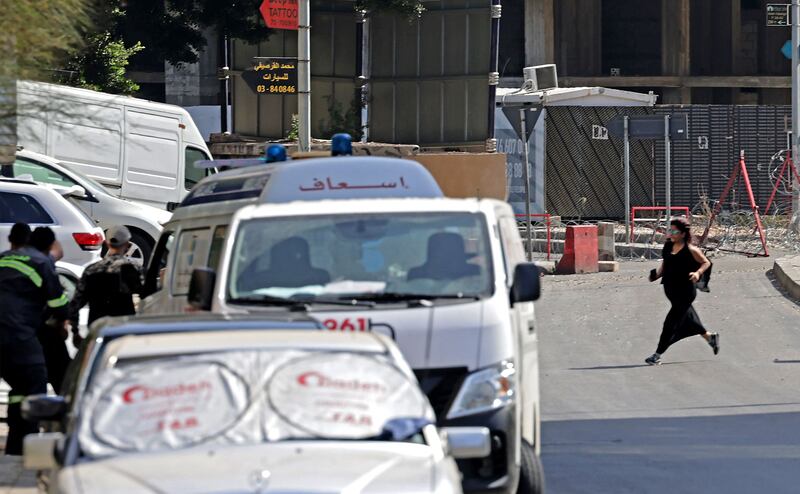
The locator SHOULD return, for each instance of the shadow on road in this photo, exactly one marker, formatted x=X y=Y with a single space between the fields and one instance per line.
x=708 y=454
x=633 y=366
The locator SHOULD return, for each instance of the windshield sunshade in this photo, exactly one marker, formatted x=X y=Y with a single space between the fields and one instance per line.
x=245 y=397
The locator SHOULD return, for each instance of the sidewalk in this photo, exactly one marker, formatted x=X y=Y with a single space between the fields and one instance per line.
x=787 y=272
x=13 y=479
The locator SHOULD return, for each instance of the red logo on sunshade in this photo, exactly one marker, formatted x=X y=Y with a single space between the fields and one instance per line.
x=141 y=392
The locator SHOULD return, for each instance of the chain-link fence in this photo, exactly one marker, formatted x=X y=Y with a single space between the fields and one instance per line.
x=733 y=231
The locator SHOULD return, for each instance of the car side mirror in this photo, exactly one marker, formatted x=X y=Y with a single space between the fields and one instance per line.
x=468 y=442
x=43 y=407
x=172 y=206
x=75 y=191
x=40 y=450
x=526 y=286
x=201 y=288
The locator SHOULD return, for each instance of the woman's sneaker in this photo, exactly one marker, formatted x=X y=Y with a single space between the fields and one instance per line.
x=713 y=341
x=654 y=359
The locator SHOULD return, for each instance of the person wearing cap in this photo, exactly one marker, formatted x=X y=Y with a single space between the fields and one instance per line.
x=109 y=284
x=29 y=287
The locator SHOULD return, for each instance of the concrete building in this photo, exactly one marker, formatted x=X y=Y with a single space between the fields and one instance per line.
x=686 y=51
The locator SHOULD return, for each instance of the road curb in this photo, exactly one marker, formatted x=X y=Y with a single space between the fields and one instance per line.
x=787 y=272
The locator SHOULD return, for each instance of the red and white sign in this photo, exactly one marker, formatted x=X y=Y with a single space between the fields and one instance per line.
x=280 y=14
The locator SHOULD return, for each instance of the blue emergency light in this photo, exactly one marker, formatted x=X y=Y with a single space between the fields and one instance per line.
x=274 y=153
x=341 y=145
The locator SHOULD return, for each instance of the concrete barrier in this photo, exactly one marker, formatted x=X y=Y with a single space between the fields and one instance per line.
x=580 y=251
x=605 y=241
x=787 y=272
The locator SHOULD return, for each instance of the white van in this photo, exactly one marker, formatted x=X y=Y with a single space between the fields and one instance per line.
x=445 y=278
x=140 y=150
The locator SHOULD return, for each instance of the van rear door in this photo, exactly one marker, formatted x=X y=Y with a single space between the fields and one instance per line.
x=152 y=157
x=88 y=138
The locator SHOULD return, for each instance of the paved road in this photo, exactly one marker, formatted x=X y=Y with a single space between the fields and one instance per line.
x=698 y=423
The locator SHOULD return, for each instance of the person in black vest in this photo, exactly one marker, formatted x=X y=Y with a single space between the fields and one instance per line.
x=28 y=286
x=682 y=266
x=109 y=284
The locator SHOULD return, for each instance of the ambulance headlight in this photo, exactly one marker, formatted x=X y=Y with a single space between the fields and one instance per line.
x=485 y=390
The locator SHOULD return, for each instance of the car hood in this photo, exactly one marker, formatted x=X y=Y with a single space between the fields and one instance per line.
x=287 y=467
x=161 y=216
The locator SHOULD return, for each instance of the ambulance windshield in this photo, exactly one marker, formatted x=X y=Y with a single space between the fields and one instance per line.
x=303 y=258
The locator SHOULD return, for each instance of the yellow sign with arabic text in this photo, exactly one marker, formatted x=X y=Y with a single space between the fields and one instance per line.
x=274 y=75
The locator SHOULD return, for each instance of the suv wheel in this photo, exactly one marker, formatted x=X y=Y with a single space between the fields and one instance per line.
x=140 y=250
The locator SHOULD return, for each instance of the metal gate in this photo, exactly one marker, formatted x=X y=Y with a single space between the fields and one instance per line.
x=584 y=171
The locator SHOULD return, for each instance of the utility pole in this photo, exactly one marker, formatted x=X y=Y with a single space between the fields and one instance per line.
x=794 y=19
x=224 y=77
x=494 y=76
x=627 y=165
x=304 y=75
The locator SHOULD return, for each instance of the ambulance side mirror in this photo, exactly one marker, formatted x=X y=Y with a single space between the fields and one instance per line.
x=201 y=288
x=527 y=283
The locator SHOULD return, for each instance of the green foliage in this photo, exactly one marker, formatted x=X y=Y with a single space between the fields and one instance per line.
x=101 y=65
x=409 y=8
x=341 y=120
x=294 y=132
x=36 y=36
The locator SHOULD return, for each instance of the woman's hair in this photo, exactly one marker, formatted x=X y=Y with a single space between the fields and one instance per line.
x=684 y=226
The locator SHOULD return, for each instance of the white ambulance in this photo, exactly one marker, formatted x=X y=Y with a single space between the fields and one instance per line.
x=445 y=278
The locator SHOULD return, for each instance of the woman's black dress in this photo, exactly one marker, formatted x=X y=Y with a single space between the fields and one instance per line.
x=682 y=321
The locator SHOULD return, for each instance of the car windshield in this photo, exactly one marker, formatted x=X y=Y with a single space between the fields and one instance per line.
x=310 y=257
x=249 y=397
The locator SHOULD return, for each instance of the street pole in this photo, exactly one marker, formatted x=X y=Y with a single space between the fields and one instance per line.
x=795 y=21
x=667 y=165
x=627 y=158
x=304 y=76
x=222 y=46
x=525 y=174
x=494 y=75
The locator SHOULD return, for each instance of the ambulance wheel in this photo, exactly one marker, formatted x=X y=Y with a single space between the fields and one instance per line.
x=531 y=474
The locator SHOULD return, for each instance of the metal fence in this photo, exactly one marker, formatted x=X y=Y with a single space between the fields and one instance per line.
x=584 y=171
x=733 y=232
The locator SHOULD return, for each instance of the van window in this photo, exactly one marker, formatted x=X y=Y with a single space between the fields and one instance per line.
x=429 y=254
x=217 y=242
x=513 y=249
x=191 y=174
x=158 y=262
x=234 y=188
x=191 y=252
x=22 y=208
x=23 y=168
